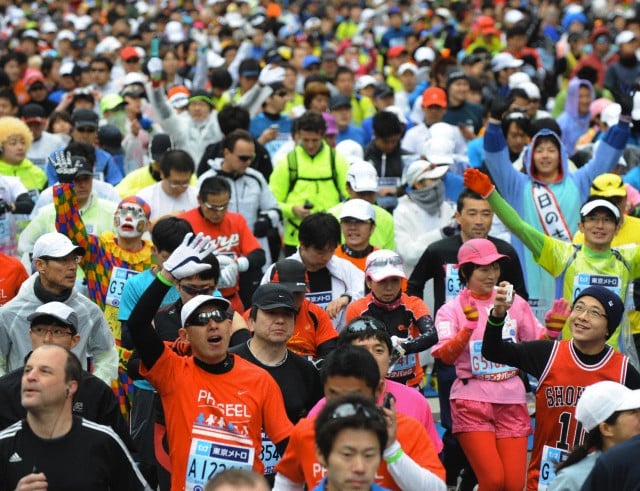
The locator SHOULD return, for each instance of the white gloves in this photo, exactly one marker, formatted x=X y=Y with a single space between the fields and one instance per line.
x=154 y=66
x=271 y=74
x=228 y=272
x=186 y=260
x=243 y=264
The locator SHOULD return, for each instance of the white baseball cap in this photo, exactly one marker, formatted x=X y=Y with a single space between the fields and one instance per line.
x=407 y=67
x=425 y=53
x=55 y=245
x=362 y=176
x=422 y=169
x=59 y=310
x=504 y=60
x=600 y=400
x=365 y=81
x=382 y=264
x=358 y=209
x=198 y=301
x=590 y=206
x=439 y=151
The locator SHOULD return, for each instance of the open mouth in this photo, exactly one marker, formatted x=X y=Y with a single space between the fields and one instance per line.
x=127 y=227
x=214 y=339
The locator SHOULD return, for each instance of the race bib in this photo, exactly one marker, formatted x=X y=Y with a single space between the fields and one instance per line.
x=322 y=299
x=451 y=282
x=584 y=280
x=213 y=450
x=119 y=277
x=404 y=367
x=551 y=458
x=269 y=455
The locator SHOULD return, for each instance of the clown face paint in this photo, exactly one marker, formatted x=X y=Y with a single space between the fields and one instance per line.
x=130 y=220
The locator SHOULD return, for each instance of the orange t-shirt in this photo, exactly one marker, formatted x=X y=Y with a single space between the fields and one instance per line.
x=246 y=397
x=313 y=327
x=300 y=464
x=12 y=275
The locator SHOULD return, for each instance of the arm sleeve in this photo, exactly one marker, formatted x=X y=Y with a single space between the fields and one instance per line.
x=256 y=258
x=408 y=475
x=427 y=338
x=506 y=178
x=327 y=347
x=69 y=222
x=632 y=379
x=200 y=75
x=145 y=338
x=532 y=356
x=532 y=238
x=451 y=350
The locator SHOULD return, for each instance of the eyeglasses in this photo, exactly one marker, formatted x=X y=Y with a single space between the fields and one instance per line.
x=360 y=325
x=86 y=129
x=593 y=313
x=56 y=332
x=135 y=211
x=193 y=291
x=202 y=319
x=245 y=158
x=595 y=218
x=216 y=208
x=178 y=185
x=349 y=409
x=385 y=261
x=64 y=260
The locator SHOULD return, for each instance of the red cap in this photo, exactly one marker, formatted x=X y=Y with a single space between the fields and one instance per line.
x=33 y=79
x=434 y=96
x=129 y=52
x=396 y=51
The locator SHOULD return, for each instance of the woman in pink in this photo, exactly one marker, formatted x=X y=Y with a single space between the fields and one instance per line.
x=488 y=408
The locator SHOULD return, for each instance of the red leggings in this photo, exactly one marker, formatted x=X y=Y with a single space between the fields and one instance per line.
x=499 y=464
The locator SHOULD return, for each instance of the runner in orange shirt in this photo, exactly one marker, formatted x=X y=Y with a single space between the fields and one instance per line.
x=215 y=403
x=410 y=459
x=232 y=238
x=358 y=222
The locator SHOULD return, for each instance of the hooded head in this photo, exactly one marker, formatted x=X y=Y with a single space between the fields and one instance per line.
x=542 y=170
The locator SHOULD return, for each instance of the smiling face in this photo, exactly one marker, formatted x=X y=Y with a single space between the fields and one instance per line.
x=209 y=343
x=588 y=325
x=14 y=149
x=484 y=278
x=356 y=232
x=546 y=161
x=599 y=228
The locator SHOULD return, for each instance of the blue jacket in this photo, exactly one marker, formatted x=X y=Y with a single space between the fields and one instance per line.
x=571 y=190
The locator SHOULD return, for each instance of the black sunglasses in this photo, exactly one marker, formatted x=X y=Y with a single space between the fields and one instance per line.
x=192 y=290
x=202 y=319
x=86 y=129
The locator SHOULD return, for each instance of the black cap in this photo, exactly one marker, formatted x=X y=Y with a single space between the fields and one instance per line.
x=33 y=113
x=84 y=166
x=291 y=274
x=455 y=75
x=160 y=144
x=329 y=54
x=273 y=296
x=84 y=117
x=340 y=100
x=249 y=68
x=133 y=90
x=383 y=90
x=110 y=139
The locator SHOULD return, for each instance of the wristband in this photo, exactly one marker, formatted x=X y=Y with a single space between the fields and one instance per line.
x=395 y=457
x=163 y=280
x=495 y=322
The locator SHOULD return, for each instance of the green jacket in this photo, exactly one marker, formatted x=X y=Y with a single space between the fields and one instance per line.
x=32 y=176
x=314 y=183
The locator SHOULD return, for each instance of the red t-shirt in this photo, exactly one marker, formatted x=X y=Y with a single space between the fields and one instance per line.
x=246 y=397
x=300 y=464
x=12 y=275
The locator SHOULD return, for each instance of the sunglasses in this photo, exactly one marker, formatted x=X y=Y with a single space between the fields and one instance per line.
x=385 y=261
x=202 y=319
x=360 y=325
x=193 y=291
x=86 y=129
x=132 y=60
x=349 y=410
x=216 y=208
x=246 y=158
